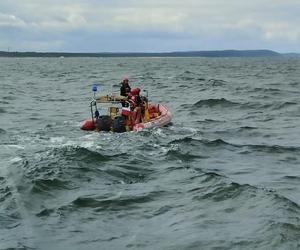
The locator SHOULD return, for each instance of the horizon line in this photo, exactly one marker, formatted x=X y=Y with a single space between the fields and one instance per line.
x=144 y=52
x=191 y=53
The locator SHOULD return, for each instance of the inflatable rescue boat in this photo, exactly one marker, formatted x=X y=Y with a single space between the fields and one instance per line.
x=117 y=117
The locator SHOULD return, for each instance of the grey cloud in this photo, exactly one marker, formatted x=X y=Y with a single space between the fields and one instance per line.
x=151 y=25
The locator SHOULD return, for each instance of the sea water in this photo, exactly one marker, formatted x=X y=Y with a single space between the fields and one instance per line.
x=224 y=175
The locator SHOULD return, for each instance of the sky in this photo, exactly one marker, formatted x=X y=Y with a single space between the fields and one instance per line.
x=149 y=25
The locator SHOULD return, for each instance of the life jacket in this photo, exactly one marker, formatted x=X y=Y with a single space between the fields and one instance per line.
x=124 y=90
x=153 y=111
x=136 y=100
x=126 y=111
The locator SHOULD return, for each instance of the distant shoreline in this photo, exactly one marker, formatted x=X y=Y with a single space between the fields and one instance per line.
x=212 y=53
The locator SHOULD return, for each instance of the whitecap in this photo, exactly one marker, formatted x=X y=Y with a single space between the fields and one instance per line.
x=57 y=139
x=15 y=159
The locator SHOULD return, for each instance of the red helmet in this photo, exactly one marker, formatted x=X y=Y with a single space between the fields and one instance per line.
x=135 y=91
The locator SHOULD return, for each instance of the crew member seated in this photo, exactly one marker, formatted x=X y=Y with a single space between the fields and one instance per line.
x=136 y=105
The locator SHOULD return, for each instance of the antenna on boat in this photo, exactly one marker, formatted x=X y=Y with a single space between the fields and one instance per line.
x=94 y=89
x=94 y=103
x=146 y=91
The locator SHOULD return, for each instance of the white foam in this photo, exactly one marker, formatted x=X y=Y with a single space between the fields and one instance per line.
x=87 y=144
x=14 y=146
x=57 y=139
x=15 y=159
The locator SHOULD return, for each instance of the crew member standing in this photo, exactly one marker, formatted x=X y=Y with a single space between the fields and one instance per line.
x=125 y=88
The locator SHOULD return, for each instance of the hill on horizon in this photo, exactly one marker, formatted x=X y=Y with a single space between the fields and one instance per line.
x=210 y=53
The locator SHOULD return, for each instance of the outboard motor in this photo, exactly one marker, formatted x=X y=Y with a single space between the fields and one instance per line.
x=119 y=124
x=103 y=123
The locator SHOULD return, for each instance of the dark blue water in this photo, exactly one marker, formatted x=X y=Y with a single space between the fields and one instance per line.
x=224 y=175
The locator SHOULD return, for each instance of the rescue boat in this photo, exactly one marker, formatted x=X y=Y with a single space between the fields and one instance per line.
x=117 y=117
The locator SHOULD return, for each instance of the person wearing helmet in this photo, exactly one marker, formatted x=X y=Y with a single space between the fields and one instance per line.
x=135 y=96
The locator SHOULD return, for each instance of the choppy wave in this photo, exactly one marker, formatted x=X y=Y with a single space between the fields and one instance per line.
x=189 y=141
x=115 y=203
x=216 y=82
x=215 y=102
x=2 y=131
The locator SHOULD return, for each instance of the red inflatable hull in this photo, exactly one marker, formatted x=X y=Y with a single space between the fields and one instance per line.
x=163 y=119
x=88 y=124
x=159 y=117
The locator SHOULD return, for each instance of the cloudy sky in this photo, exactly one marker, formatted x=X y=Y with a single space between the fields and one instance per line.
x=149 y=25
